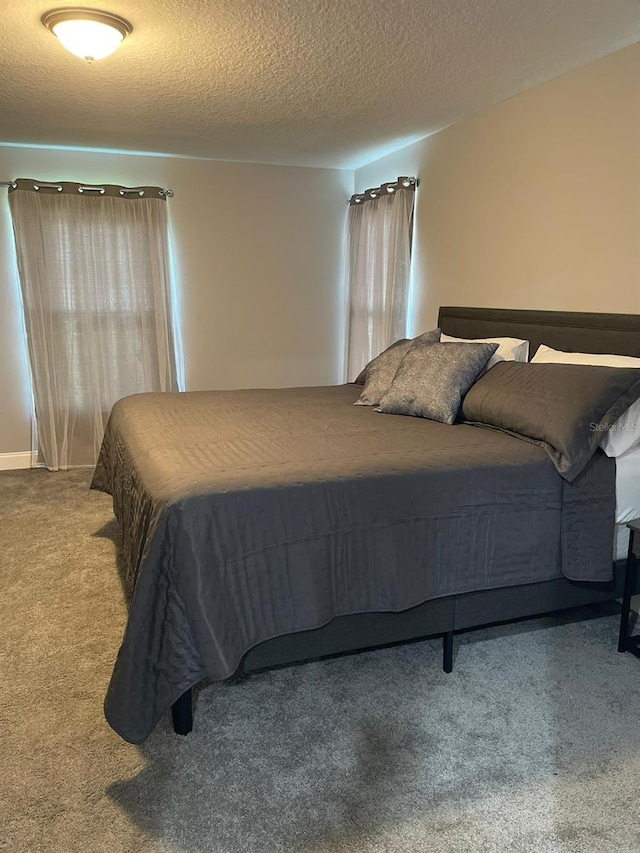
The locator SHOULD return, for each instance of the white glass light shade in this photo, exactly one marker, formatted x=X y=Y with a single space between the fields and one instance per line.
x=88 y=39
x=87 y=33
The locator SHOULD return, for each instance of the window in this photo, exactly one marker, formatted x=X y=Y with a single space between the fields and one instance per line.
x=94 y=279
x=379 y=256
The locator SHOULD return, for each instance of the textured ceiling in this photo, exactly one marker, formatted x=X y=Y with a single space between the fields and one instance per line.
x=309 y=82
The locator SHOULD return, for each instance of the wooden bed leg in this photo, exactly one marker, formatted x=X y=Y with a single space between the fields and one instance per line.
x=182 y=714
x=447 y=652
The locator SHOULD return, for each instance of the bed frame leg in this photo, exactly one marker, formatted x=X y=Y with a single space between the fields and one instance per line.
x=182 y=714
x=447 y=652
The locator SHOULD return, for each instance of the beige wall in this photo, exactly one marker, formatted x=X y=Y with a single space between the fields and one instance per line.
x=534 y=203
x=258 y=260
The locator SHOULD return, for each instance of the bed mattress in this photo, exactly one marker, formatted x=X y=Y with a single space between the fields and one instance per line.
x=627 y=498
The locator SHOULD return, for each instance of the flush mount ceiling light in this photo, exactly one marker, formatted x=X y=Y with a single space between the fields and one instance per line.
x=87 y=33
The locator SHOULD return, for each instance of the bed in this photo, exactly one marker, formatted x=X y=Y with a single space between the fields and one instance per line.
x=267 y=527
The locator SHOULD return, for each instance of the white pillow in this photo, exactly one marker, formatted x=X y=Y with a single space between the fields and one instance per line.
x=509 y=349
x=625 y=432
x=628 y=486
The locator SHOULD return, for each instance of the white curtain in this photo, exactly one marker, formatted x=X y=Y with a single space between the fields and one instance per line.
x=95 y=290
x=379 y=258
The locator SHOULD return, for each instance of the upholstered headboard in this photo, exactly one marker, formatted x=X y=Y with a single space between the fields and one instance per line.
x=574 y=331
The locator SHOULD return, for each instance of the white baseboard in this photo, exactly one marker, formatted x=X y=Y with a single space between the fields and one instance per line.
x=11 y=461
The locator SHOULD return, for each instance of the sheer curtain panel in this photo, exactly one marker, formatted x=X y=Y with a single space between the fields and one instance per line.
x=379 y=257
x=94 y=276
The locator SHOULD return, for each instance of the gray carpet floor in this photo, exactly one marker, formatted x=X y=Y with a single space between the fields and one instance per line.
x=532 y=744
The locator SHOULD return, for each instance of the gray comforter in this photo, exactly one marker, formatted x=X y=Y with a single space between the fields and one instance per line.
x=250 y=514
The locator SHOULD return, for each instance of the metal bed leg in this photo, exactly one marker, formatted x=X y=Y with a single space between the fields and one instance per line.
x=447 y=652
x=182 y=714
x=630 y=579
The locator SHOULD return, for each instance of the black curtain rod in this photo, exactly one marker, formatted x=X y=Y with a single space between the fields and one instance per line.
x=401 y=182
x=165 y=192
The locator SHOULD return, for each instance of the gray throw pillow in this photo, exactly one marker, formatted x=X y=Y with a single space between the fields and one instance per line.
x=380 y=371
x=565 y=408
x=433 y=378
x=362 y=376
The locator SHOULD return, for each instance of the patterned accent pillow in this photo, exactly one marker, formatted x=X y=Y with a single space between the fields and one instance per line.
x=380 y=371
x=364 y=373
x=432 y=379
